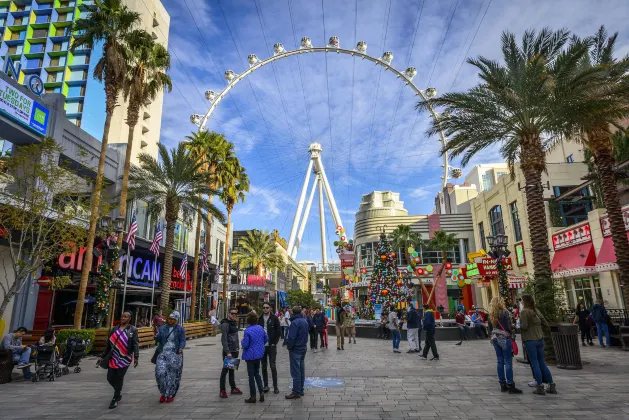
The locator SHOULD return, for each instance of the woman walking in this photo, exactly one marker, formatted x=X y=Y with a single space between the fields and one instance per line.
x=501 y=339
x=123 y=348
x=170 y=340
x=582 y=316
x=531 y=322
x=252 y=351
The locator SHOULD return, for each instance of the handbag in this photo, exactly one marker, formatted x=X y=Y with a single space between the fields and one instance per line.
x=104 y=361
x=514 y=345
x=231 y=364
x=158 y=350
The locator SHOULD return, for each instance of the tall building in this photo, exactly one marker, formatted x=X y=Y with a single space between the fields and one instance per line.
x=485 y=176
x=455 y=199
x=34 y=34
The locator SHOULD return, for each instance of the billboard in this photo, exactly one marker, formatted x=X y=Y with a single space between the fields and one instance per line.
x=21 y=108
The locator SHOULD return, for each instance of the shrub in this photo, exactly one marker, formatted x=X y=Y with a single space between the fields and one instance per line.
x=85 y=334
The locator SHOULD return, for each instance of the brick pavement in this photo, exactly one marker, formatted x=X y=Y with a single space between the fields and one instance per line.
x=378 y=384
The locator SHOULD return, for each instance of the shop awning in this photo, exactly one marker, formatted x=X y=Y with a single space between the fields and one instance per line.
x=517 y=282
x=579 y=259
x=606 y=259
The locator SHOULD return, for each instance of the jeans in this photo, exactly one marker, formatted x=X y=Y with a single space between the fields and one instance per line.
x=23 y=357
x=430 y=345
x=463 y=329
x=224 y=372
x=318 y=334
x=504 y=359
x=600 y=328
x=313 y=338
x=253 y=371
x=115 y=377
x=586 y=333
x=298 y=371
x=413 y=338
x=384 y=331
x=340 y=336
x=396 y=337
x=535 y=350
x=270 y=354
x=480 y=331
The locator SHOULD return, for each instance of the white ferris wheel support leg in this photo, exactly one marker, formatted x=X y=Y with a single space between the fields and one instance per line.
x=322 y=223
x=300 y=206
x=328 y=193
x=304 y=220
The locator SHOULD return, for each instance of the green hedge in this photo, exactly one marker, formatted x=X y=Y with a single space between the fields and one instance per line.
x=85 y=334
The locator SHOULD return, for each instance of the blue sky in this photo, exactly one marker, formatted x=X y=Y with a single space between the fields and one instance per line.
x=363 y=116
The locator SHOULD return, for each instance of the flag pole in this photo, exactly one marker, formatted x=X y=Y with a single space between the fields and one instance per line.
x=185 y=284
x=201 y=290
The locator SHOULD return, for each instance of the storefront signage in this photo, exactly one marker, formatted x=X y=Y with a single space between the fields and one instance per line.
x=246 y=288
x=35 y=84
x=21 y=108
x=141 y=271
x=254 y=280
x=177 y=282
x=606 y=227
x=574 y=236
x=74 y=261
x=472 y=270
x=487 y=267
x=520 y=256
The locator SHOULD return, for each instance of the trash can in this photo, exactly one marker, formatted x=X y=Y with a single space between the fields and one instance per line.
x=566 y=343
x=6 y=366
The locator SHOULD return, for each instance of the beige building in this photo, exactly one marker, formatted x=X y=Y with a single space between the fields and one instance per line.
x=156 y=21
x=485 y=176
x=455 y=199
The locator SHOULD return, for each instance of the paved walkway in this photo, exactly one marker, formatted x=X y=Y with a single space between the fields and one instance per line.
x=377 y=384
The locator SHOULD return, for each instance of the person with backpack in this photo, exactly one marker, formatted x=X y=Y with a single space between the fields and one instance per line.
x=601 y=318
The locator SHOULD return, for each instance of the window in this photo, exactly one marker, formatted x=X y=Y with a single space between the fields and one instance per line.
x=486 y=182
x=18 y=21
x=366 y=255
x=40 y=33
x=42 y=19
x=220 y=252
x=571 y=212
x=500 y=174
x=60 y=32
x=495 y=221
x=58 y=62
x=37 y=48
x=53 y=89
x=81 y=59
x=481 y=234
x=18 y=35
x=54 y=77
x=34 y=63
x=75 y=121
x=74 y=91
x=59 y=46
x=62 y=17
x=434 y=256
x=585 y=289
x=78 y=75
x=570 y=159
x=517 y=229
x=15 y=49
x=178 y=232
x=74 y=107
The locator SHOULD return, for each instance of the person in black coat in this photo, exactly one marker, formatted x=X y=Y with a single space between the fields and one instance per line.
x=271 y=325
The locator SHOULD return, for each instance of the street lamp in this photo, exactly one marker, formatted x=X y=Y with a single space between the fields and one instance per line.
x=499 y=252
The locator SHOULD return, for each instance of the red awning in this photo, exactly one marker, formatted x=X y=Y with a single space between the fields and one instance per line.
x=578 y=259
x=606 y=258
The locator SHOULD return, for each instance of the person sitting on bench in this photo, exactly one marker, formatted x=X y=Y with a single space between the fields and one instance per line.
x=479 y=325
x=21 y=353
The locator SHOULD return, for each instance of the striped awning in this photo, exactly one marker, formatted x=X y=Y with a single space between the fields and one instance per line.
x=517 y=282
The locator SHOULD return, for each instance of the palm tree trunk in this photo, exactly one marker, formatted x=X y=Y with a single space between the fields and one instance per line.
x=605 y=165
x=168 y=260
x=225 y=269
x=195 y=269
x=94 y=216
x=444 y=257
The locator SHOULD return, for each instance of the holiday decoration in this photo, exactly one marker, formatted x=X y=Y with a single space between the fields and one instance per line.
x=503 y=283
x=386 y=288
x=104 y=282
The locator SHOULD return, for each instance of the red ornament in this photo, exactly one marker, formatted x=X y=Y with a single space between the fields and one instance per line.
x=420 y=271
x=448 y=265
x=393 y=255
x=364 y=271
x=383 y=257
x=384 y=292
x=399 y=282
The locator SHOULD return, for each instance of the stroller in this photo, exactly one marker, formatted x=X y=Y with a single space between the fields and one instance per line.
x=46 y=363
x=74 y=352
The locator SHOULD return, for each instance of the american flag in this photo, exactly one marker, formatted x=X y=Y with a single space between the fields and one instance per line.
x=204 y=264
x=156 y=241
x=183 y=270
x=133 y=229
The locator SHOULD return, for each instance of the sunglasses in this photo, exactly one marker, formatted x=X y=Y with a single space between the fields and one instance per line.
x=266 y=307
x=233 y=313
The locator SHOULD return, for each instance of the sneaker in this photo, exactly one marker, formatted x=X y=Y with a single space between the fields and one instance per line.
x=261 y=397
x=396 y=351
x=354 y=341
x=276 y=390
x=434 y=358
x=315 y=351
x=602 y=345
x=590 y=343
x=423 y=357
x=532 y=384
x=113 y=404
x=170 y=399
x=411 y=351
x=539 y=390
x=513 y=389
x=338 y=348
x=236 y=391
x=250 y=400
x=292 y=396
x=459 y=343
x=24 y=366
x=223 y=393
x=551 y=389
x=266 y=389
x=583 y=344
x=162 y=399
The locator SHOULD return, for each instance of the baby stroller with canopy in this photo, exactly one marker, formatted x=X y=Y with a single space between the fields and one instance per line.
x=74 y=352
x=46 y=363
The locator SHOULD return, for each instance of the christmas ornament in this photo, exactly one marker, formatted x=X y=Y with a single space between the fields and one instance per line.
x=411 y=250
x=461 y=283
x=448 y=265
x=429 y=268
x=399 y=282
x=385 y=292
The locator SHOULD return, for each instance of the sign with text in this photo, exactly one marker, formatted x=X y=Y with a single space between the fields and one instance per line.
x=486 y=266
x=19 y=107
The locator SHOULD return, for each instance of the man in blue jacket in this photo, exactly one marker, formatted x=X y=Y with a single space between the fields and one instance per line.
x=600 y=317
x=297 y=344
x=429 y=327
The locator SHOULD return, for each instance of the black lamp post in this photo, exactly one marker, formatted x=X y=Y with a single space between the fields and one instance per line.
x=499 y=252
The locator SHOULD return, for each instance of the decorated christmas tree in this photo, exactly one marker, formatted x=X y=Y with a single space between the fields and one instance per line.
x=386 y=287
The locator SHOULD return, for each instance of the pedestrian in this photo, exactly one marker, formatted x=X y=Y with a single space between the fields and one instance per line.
x=582 y=316
x=350 y=324
x=325 y=331
x=158 y=320
x=319 y=325
x=383 y=330
x=170 y=340
x=231 y=346
x=501 y=339
x=312 y=335
x=21 y=352
x=297 y=344
x=394 y=326
x=459 y=319
x=531 y=322
x=280 y=317
x=123 y=346
x=429 y=328
x=271 y=325
x=253 y=349
x=412 y=325
x=601 y=318
x=287 y=316
x=340 y=326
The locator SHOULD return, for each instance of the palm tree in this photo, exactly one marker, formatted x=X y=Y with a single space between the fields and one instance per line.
x=110 y=22
x=403 y=237
x=171 y=186
x=444 y=242
x=523 y=104
x=235 y=185
x=610 y=104
x=215 y=151
x=258 y=250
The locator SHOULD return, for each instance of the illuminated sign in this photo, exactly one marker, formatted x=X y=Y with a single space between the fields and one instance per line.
x=487 y=267
x=520 y=257
x=141 y=271
x=472 y=270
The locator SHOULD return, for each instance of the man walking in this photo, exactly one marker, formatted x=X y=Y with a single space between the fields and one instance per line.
x=319 y=325
x=340 y=326
x=297 y=344
x=271 y=325
x=429 y=327
x=287 y=316
x=412 y=323
x=231 y=346
x=394 y=326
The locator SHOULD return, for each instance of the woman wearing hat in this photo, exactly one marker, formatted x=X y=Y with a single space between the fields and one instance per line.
x=170 y=340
